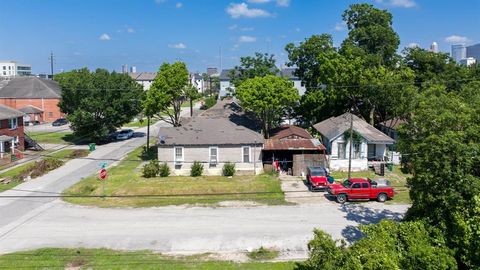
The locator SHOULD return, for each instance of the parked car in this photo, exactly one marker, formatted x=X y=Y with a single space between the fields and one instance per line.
x=125 y=134
x=360 y=189
x=317 y=178
x=60 y=122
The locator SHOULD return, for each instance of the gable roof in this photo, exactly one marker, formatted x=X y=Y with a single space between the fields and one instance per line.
x=393 y=123
x=30 y=87
x=143 y=76
x=293 y=144
x=7 y=112
x=208 y=131
x=30 y=109
x=336 y=126
x=289 y=130
x=232 y=110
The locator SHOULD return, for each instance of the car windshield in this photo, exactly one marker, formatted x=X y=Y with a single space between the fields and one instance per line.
x=123 y=131
x=347 y=183
x=318 y=173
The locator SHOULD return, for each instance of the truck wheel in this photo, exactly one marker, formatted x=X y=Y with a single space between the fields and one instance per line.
x=341 y=198
x=382 y=197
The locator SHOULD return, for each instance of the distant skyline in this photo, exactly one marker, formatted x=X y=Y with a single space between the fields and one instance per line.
x=146 y=33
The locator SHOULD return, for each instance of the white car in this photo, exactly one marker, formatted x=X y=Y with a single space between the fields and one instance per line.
x=125 y=134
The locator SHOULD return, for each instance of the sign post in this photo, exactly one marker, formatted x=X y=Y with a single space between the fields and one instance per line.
x=102 y=176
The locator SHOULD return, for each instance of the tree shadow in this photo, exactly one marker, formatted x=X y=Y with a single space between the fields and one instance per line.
x=364 y=216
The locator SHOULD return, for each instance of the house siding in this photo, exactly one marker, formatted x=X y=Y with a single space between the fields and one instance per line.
x=232 y=154
x=50 y=108
x=19 y=131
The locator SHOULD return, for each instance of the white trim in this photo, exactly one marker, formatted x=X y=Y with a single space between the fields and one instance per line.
x=249 y=154
x=210 y=154
x=179 y=161
x=11 y=126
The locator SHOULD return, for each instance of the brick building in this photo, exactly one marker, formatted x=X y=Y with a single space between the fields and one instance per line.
x=12 y=134
x=38 y=97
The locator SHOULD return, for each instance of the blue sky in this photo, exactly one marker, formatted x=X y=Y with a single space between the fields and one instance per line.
x=146 y=33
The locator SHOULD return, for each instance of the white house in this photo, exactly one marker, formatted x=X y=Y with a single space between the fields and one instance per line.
x=370 y=144
x=226 y=85
x=198 y=82
x=212 y=142
x=144 y=78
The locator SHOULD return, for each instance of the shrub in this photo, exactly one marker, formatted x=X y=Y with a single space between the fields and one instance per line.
x=228 y=169
x=197 y=169
x=164 y=170
x=263 y=254
x=151 y=169
x=209 y=102
x=39 y=168
x=78 y=153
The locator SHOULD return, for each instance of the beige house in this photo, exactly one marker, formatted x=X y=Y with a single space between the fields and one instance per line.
x=369 y=147
x=213 y=142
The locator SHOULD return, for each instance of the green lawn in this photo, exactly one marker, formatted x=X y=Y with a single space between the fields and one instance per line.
x=56 y=137
x=126 y=179
x=142 y=123
x=56 y=258
x=397 y=178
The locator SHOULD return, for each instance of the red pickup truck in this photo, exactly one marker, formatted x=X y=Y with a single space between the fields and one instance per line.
x=360 y=189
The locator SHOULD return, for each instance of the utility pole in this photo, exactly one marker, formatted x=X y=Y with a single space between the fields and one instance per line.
x=51 y=64
x=351 y=143
x=148 y=134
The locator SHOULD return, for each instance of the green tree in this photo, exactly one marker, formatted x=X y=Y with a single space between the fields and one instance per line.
x=269 y=98
x=442 y=141
x=250 y=67
x=387 y=245
x=98 y=103
x=371 y=34
x=167 y=93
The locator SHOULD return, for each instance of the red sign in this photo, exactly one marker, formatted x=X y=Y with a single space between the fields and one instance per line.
x=103 y=174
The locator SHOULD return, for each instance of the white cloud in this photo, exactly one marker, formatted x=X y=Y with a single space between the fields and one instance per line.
x=398 y=3
x=258 y=1
x=456 y=39
x=247 y=39
x=242 y=10
x=413 y=45
x=341 y=26
x=233 y=27
x=130 y=30
x=280 y=3
x=104 y=37
x=283 y=3
x=178 y=46
x=179 y=5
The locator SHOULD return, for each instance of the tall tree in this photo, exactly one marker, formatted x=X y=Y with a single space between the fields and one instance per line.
x=441 y=140
x=97 y=103
x=371 y=34
x=269 y=98
x=253 y=66
x=167 y=93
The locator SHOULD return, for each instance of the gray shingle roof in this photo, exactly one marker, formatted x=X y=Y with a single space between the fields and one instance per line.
x=209 y=131
x=225 y=75
x=30 y=109
x=30 y=87
x=7 y=112
x=143 y=76
x=335 y=126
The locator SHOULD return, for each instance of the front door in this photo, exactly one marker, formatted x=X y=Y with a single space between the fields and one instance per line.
x=372 y=151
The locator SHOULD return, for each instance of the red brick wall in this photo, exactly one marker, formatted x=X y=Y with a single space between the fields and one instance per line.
x=49 y=106
x=4 y=130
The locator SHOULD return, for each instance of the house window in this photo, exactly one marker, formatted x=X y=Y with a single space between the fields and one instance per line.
x=246 y=154
x=341 y=151
x=178 y=154
x=213 y=156
x=50 y=114
x=356 y=151
x=372 y=151
x=12 y=123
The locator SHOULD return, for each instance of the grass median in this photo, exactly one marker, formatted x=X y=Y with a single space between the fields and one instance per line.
x=16 y=175
x=56 y=138
x=126 y=180
x=56 y=258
